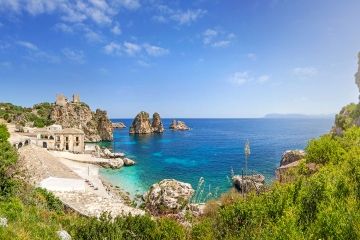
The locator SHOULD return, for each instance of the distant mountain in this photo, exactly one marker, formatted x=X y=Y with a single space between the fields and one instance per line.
x=298 y=115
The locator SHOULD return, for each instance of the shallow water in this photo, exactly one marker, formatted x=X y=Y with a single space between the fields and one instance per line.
x=211 y=149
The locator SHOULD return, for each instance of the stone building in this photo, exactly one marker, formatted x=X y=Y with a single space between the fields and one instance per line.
x=56 y=138
x=61 y=100
x=76 y=98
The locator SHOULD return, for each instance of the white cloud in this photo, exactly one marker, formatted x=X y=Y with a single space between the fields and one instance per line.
x=252 y=56
x=188 y=16
x=63 y=28
x=134 y=49
x=209 y=35
x=98 y=11
x=27 y=45
x=155 y=50
x=143 y=63
x=131 y=48
x=217 y=38
x=130 y=4
x=74 y=55
x=305 y=72
x=36 y=53
x=181 y=17
x=221 y=44
x=263 y=79
x=240 y=78
x=112 y=48
x=116 y=29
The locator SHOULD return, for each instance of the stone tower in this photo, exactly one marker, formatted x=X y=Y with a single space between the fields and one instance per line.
x=76 y=98
x=357 y=75
x=61 y=100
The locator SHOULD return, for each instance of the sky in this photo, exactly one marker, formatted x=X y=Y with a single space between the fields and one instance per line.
x=199 y=58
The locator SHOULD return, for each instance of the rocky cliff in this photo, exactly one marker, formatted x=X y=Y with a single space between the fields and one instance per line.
x=349 y=115
x=142 y=124
x=96 y=125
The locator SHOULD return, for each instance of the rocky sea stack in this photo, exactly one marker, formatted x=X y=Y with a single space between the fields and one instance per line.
x=142 y=124
x=118 y=125
x=179 y=125
x=157 y=125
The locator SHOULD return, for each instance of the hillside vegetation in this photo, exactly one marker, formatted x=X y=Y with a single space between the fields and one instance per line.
x=320 y=205
x=38 y=116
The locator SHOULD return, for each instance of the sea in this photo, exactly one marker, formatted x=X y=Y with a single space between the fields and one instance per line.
x=212 y=150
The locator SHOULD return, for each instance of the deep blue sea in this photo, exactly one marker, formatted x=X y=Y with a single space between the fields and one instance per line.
x=210 y=149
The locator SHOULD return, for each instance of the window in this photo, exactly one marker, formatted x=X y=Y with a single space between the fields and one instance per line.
x=77 y=139
x=58 y=138
x=77 y=144
x=67 y=139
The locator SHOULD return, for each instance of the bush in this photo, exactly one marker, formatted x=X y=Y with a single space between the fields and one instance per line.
x=324 y=150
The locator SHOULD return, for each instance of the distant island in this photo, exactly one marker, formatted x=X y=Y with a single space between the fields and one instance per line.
x=298 y=115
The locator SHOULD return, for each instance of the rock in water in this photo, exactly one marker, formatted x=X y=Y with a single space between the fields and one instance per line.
x=141 y=124
x=118 y=125
x=179 y=125
x=157 y=125
x=291 y=156
x=96 y=126
x=168 y=197
x=128 y=162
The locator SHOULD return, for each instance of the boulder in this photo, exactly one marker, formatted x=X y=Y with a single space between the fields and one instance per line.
x=113 y=163
x=128 y=162
x=291 y=156
x=168 y=197
x=118 y=125
x=248 y=183
x=3 y=222
x=157 y=125
x=63 y=235
x=141 y=124
x=179 y=125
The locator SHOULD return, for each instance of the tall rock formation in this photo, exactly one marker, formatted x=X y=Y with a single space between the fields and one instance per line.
x=157 y=125
x=142 y=124
x=104 y=125
x=357 y=75
x=96 y=126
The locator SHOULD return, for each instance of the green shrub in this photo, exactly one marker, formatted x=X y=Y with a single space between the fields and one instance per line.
x=324 y=150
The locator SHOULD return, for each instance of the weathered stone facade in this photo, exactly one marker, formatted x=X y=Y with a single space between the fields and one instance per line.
x=55 y=138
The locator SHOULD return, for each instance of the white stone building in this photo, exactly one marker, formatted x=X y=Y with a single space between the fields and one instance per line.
x=56 y=138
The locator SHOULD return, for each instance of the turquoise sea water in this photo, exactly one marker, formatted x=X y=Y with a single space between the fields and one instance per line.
x=211 y=149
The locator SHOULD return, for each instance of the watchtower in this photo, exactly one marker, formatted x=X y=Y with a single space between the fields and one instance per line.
x=61 y=100
x=76 y=98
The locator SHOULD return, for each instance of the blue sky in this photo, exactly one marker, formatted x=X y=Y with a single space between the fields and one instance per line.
x=201 y=58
